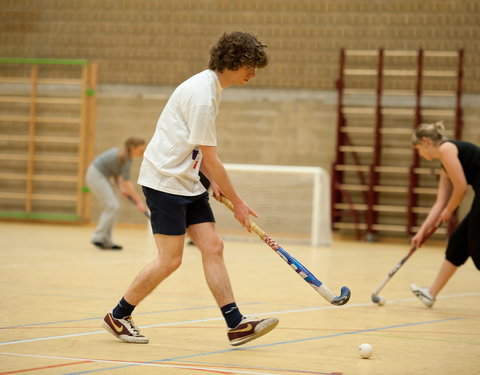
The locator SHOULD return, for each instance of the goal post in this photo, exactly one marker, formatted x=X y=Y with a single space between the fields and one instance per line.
x=293 y=202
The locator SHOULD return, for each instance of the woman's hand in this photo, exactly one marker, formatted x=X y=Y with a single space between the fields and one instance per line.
x=418 y=239
x=140 y=206
x=445 y=216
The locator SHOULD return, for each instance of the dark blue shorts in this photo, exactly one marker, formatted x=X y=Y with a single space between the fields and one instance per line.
x=171 y=214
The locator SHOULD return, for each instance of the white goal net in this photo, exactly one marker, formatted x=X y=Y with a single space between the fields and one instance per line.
x=293 y=203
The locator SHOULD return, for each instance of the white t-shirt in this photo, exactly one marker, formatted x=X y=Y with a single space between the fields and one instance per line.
x=172 y=159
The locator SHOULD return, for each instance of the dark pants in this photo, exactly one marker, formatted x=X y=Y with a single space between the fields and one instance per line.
x=465 y=240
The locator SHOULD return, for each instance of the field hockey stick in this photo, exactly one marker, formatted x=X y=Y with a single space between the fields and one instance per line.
x=296 y=265
x=146 y=213
x=379 y=300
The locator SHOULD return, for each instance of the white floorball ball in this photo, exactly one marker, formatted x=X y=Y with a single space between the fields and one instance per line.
x=365 y=350
x=381 y=301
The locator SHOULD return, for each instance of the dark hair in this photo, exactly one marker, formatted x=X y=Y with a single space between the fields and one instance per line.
x=235 y=50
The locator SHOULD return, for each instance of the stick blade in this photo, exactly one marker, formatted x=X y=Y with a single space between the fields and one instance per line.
x=343 y=298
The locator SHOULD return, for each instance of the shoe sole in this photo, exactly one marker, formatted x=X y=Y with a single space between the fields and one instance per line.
x=255 y=335
x=130 y=341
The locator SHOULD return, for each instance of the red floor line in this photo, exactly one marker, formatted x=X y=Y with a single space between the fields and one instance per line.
x=174 y=365
x=221 y=369
x=183 y=365
x=250 y=368
x=210 y=371
x=44 y=367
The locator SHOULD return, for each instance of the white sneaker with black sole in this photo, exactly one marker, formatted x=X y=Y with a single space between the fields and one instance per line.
x=423 y=295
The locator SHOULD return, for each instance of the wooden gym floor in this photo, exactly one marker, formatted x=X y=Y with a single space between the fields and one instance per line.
x=56 y=287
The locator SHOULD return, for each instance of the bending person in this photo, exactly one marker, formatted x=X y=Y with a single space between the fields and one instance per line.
x=460 y=168
x=112 y=168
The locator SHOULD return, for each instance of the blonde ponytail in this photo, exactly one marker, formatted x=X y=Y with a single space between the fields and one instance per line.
x=435 y=132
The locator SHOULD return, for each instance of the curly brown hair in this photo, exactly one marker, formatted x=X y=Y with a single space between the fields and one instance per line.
x=235 y=50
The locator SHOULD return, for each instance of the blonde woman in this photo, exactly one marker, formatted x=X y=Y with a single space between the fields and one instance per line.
x=460 y=167
x=113 y=166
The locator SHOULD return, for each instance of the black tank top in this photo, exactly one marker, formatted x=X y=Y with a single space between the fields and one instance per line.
x=469 y=156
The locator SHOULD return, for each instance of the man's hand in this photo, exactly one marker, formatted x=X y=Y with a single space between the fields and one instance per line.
x=242 y=213
x=216 y=191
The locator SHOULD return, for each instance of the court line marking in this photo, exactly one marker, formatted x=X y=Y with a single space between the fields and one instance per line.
x=410 y=338
x=232 y=366
x=45 y=367
x=180 y=323
x=148 y=364
x=157 y=364
x=206 y=307
x=364 y=304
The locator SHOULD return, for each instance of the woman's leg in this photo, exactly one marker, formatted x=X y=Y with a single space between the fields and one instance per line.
x=444 y=274
x=105 y=194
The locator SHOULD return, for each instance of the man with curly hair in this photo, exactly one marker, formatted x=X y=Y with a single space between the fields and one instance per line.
x=184 y=143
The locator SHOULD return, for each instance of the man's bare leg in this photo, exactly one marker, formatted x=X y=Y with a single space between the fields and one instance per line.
x=119 y=322
x=169 y=258
x=210 y=245
x=241 y=329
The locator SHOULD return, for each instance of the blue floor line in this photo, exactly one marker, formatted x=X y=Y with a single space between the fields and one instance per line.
x=270 y=345
x=136 y=314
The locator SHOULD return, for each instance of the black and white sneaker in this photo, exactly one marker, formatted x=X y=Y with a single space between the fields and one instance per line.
x=423 y=295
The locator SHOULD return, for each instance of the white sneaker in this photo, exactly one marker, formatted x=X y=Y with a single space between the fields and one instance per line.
x=423 y=295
